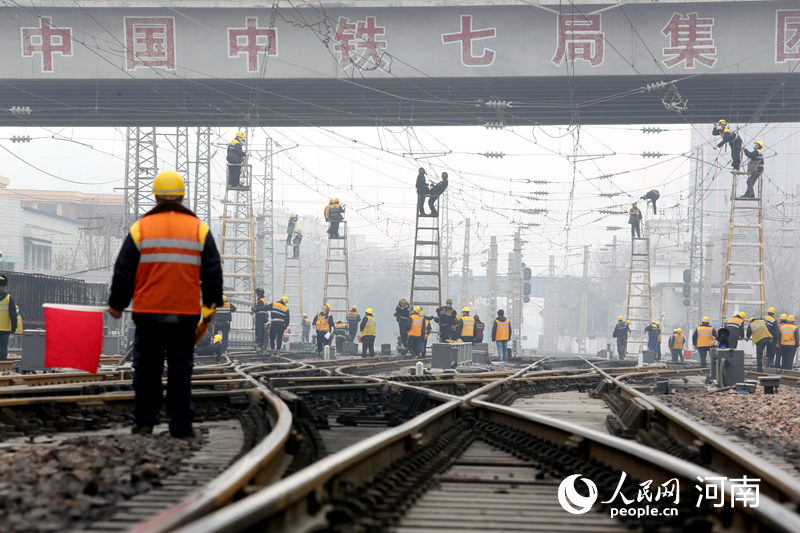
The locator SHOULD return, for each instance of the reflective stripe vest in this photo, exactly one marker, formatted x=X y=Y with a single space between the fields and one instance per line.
x=735 y=325
x=168 y=275
x=760 y=330
x=340 y=330
x=677 y=341
x=787 y=334
x=278 y=313
x=503 y=332
x=5 y=317
x=306 y=324
x=370 y=328
x=352 y=316
x=705 y=337
x=322 y=322
x=416 y=326
x=468 y=326
x=262 y=312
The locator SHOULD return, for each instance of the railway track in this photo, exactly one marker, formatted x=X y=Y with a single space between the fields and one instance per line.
x=347 y=450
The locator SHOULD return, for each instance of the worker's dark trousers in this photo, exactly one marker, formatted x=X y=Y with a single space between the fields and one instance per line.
x=751 y=181
x=771 y=353
x=4 y=345
x=445 y=332
x=261 y=323
x=234 y=171
x=306 y=334
x=635 y=231
x=622 y=347
x=353 y=331
x=403 y=334
x=367 y=345
x=415 y=345
x=762 y=347
x=432 y=205
x=733 y=341
x=333 y=231
x=276 y=328
x=295 y=251
x=321 y=340
x=154 y=342
x=420 y=204
x=340 y=344
x=736 y=152
x=676 y=354
x=703 y=352
x=786 y=356
x=224 y=329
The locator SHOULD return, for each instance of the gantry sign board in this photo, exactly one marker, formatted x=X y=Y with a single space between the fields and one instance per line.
x=671 y=40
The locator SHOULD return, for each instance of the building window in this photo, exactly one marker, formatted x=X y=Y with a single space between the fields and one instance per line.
x=37 y=254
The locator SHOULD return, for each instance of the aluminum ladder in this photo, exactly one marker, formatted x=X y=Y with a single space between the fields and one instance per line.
x=639 y=307
x=337 y=274
x=426 y=277
x=293 y=288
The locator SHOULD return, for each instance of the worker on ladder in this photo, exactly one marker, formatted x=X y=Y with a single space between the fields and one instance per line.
x=730 y=137
x=335 y=216
x=279 y=319
x=635 y=220
x=434 y=193
x=651 y=197
x=296 y=240
x=236 y=158
x=704 y=338
x=422 y=192
x=290 y=229
x=353 y=319
x=755 y=167
x=621 y=332
x=735 y=325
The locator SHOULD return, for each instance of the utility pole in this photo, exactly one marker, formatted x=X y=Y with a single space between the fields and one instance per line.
x=550 y=319
x=465 y=281
x=584 y=301
x=709 y=264
x=515 y=274
x=694 y=310
x=492 y=275
x=446 y=242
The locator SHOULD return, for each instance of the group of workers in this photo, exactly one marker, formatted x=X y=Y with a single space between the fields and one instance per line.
x=776 y=339
x=342 y=332
x=334 y=214
x=414 y=328
x=755 y=165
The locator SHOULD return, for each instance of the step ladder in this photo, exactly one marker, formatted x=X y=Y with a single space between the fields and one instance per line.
x=337 y=274
x=426 y=277
x=293 y=288
x=238 y=256
x=639 y=308
x=743 y=278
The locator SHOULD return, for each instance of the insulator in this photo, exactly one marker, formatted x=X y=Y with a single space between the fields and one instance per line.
x=653 y=155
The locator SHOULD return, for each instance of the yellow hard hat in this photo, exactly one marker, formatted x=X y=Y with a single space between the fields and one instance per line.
x=628 y=322
x=354 y=308
x=217 y=338
x=741 y=314
x=327 y=305
x=771 y=310
x=465 y=310
x=620 y=318
x=790 y=318
x=336 y=200
x=633 y=203
x=760 y=144
x=330 y=200
x=297 y=230
x=403 y=301
x=783 y=316
x=679 y=330
x=655 y=322
x=224 y=298
x=285 y=299
x=417 y=309
x=240 y=134
x=368 y=310
x=706 y=319
x=723 y=122
x=304 y=314
x=168 y=183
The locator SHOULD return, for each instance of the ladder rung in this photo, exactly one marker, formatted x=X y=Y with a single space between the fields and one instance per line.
x=335 y=285
x=428 y=243
x=336 y=248
x=236 y=220
x=237 y=257
x=426 y=303
x=424 y=289
x=241 y=239
x=336 y=260
x=426 y=257
x=426 y=273
x=743 y=283
x=638 y=307
x=734 y=263
x=748 y=226
x=744 y=302
x=744 y=244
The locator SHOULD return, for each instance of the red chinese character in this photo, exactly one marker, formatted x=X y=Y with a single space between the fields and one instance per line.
x=359 y=35
x=46 y=40
x=150 y=42
x=253 y=41
x=579 y=37
x=466 y=36
x=787 y=36
x=689 y=40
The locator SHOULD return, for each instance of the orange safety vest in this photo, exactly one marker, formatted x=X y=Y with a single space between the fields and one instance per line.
x=787 y=334
x=279 y=310
x=503 y=331
x=322 y=322
x=352 y=316
x=677 y=341
x=416 y=326
x=168 y=275
x=468 y=326
x=705 y=337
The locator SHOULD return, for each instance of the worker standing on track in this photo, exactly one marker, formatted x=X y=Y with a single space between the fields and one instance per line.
x=704 y=338
x=279 y=319
x=479 y=329
x=755 y=167
x=402 y=314
x=653 y=337
x=501 y=334
x=306 y=326
x=635 y=220
x=259 y=311
x=735 y=325
x=721 y=128
x=236 y=157
x=758 y=331
x=415 y=332
x=369 y=329
x=323 y=324
x=8 y=317
x=222 y=322
x=788 y=343
x=446 y=318
x=772 y=324
x=621 y=332
x=353 y=319
x=340 y=334
x=675 y=343
x=170 y=267
x=466 y=330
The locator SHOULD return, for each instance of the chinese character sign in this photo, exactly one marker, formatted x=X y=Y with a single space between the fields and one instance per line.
x=252 y=41
x=150 y=42
x=580 y=37
x=787 y=33
x=46 y=40
x=690 y=41
x=358 y=43
x=465 y=37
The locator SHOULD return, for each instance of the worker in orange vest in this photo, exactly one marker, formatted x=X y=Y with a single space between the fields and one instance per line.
x=170 y=267
x=501 y=334
x=466 y=328
x=675 y=343
x=416 y=332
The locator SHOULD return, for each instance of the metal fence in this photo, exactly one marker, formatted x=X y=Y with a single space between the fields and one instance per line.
x=30 y=291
